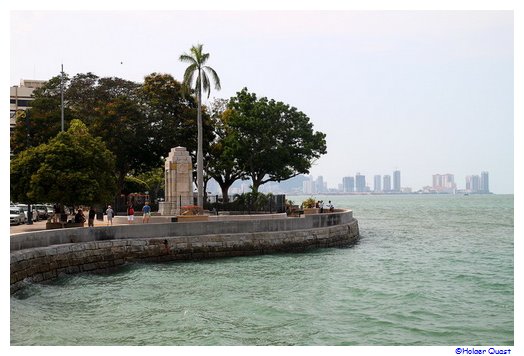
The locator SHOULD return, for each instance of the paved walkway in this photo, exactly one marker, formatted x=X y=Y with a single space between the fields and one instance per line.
x=40 y=225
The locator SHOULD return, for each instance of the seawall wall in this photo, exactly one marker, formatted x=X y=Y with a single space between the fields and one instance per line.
x=41 y=256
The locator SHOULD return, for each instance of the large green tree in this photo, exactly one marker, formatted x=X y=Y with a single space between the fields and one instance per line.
x=272 y=141
x=222 y=165
x=199 y=73
x=113 y=109
x=73 y=168
x=125 y=130
x=169 y=112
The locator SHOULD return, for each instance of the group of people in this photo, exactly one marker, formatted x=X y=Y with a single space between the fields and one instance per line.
x=80 y=217
x=320 y=204
x=146 y=214
x=110 y=213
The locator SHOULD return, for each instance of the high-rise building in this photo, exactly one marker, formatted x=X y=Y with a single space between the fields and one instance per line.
x=21 y=96
x=444 y=183
x=387 y=183
x=308 y=186
x=377 y=187
x=360 y=182
x=473 y=184
x=319 y=185
x=348 y=184
x=484 y=182
x=396 y=181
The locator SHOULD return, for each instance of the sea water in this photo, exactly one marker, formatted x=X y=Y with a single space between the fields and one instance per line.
x=427 y=270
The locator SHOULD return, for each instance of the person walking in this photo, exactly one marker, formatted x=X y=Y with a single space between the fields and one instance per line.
x=146 y=213
x=91 y=217
x=110 y=213
x=130 y=214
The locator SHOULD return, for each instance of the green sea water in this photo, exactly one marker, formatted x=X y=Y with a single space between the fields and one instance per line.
x=427 y=270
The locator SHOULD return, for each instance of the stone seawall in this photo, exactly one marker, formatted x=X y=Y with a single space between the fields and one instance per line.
x=49 y=260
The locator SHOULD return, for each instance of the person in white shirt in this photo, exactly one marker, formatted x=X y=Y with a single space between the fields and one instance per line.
x=110 y=213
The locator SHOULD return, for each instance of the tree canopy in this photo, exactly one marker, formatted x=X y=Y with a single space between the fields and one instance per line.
x=272 y=141
x=223 y=166
x=73 y=168
x=244 y=137
x=139 y=123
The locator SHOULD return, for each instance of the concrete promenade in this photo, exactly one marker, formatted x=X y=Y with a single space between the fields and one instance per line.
x=122 y=220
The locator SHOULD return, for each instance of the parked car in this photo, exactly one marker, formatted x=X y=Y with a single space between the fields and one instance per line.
x=23 y=207
x=17 y=216
x=50 y=210
x=41 y=210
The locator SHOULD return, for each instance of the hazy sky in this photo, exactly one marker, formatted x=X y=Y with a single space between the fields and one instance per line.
x=424 y=92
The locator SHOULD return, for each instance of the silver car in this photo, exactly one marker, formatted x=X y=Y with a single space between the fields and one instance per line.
x=23 y=207
x=17 y=216
x=41 y=210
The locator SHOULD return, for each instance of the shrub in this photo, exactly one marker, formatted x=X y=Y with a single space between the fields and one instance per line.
x=309 y=203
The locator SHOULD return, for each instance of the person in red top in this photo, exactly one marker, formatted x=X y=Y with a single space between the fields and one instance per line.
x=130 y=214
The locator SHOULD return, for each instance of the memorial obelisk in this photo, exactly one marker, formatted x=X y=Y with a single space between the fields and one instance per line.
x=179 y=182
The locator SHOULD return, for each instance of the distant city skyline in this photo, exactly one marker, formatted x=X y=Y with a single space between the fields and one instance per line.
x=309 y=185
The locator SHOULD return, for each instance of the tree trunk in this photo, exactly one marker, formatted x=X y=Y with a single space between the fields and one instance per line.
x=200 y=159
x=225 y=191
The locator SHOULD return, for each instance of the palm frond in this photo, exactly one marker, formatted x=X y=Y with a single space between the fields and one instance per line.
x=189 y=74
x=203 y=58
x=205 y=83
x=215 y=77
x=186 y=58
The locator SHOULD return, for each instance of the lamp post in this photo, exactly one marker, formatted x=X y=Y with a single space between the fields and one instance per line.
x=62 y=96
x=23 y=115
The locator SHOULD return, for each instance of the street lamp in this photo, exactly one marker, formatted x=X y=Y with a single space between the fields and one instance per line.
x=21 y=114
x=62 y=97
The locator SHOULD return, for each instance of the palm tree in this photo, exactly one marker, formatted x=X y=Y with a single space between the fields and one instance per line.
x=200 y=72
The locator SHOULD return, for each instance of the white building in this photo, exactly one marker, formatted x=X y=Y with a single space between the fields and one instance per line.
x=21 y=96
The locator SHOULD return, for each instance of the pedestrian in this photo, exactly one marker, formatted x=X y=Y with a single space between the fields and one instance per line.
x=91 y=217
x=79 y=217
x=331 y=207
x=321 y=206
x=110 y=213
x=130 y=214
x=146 y=210
x=56 y=215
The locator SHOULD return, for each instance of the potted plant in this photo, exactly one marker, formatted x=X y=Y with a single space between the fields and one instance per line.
x=309 y=206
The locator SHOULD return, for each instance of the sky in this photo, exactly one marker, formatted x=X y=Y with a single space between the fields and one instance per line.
x=425 y=92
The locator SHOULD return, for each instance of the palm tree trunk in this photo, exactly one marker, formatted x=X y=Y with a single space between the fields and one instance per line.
x=200 y=160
